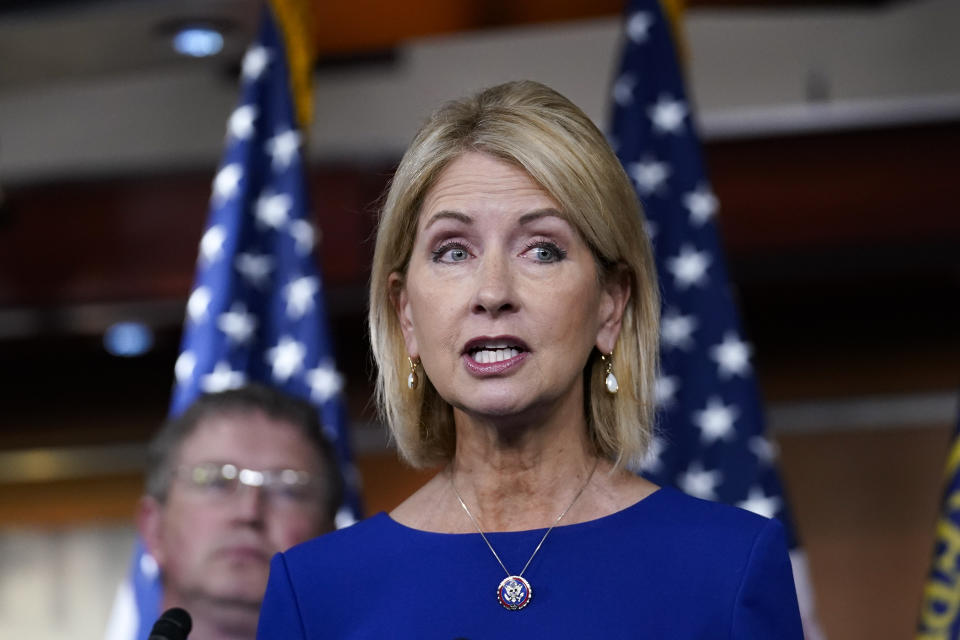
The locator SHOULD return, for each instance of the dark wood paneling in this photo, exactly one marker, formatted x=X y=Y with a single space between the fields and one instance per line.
x=345 y=26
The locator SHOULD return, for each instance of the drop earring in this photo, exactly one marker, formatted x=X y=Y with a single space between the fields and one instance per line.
x=413 y=380
x=610 y=380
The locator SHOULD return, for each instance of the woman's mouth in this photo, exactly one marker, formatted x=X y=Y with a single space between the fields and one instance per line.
x=491 y=356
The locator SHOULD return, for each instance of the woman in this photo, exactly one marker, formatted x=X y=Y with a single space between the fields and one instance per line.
x=513 y=318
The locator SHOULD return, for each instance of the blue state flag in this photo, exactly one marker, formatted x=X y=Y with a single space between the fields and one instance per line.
x=710 y=441
x=256 y=312
x=940 y=611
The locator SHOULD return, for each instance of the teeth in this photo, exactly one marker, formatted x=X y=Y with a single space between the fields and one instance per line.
x=490 y=355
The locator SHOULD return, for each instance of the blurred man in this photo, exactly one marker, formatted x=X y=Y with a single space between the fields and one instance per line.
x=237 y=477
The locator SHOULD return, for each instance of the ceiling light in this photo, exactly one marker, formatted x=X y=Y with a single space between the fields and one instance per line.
x=198 y=41
x=128 y=339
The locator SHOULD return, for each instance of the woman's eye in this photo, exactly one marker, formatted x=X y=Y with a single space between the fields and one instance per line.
x=451 y=253
x=546 y=252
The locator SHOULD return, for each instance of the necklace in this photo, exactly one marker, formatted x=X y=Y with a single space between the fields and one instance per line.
x=514 y=591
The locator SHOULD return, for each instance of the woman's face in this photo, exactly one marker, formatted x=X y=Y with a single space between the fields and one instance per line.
x=501 y=300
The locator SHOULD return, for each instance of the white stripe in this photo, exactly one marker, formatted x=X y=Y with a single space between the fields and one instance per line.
x=124 y=618
x=808 y=614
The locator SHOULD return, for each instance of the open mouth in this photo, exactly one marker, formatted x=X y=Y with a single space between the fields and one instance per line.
x=489 y=351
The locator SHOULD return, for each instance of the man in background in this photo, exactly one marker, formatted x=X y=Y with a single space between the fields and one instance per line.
x=237 y=477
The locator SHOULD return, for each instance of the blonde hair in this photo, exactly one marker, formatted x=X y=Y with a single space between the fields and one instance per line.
x=535 y=128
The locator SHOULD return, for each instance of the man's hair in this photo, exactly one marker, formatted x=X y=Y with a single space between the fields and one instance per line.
x=164 y=448
x=534 y=128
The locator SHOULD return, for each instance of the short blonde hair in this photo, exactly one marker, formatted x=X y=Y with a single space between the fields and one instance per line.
x=535 y=128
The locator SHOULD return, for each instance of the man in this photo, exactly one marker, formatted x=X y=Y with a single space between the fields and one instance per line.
x=237 y=477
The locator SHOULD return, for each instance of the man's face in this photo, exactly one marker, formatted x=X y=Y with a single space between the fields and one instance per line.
x=217 y=545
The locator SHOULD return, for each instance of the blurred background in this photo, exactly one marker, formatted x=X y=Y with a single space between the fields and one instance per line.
x=830 y=130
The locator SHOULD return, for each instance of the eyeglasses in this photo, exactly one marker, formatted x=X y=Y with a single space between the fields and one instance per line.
x=282 y=487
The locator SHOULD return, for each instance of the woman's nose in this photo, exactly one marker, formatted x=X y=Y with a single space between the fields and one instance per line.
x=495 y=292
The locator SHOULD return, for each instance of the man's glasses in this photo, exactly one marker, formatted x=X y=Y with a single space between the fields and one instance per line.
x=282 y=486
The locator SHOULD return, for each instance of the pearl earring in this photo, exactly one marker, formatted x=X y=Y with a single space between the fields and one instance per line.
x=610 y=380
x=413 y=380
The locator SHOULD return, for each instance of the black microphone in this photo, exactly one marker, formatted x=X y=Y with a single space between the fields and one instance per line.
x=174 y=624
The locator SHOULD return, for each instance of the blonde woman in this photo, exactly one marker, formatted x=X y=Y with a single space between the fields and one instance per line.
x=513 y=318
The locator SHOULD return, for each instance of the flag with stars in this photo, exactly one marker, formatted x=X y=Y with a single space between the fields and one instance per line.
x=256 y=312
x=940 y=610
x=710 y=438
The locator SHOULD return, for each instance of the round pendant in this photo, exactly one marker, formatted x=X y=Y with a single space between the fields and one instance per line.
x=514 y=593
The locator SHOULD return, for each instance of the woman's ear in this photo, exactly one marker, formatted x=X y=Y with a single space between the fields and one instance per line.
x=614 y=297
x=401 y=306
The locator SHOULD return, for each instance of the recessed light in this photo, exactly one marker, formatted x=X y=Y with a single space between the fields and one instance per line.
x=128 y=339
x=198 y=41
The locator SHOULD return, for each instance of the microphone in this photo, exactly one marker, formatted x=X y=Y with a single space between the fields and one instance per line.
x=174 y=624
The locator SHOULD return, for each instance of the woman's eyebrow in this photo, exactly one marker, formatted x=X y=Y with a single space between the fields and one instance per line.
x=539 y=213
x=449 y=215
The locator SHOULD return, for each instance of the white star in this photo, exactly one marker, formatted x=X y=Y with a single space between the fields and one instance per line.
x=226 y=182
x=700 y=483
x=716 y=421
x=702 y=204
x=664 y=391
x=649 y=175
x=623 y=90
x=344 y=518
x=255 y=268
x=651 y=460
x=764 y=449
x=283 y=149
x=273 y=210
x=238 y=324
x=255 y=61
x=676 y=331
x=638 y=27
x=299 y=294
x=149 y=567
x=286 y=358
x=761 y=504
x=211 y=244
x=304 y=236
x=240 y=124
x=222 y=378
x=324 y=382
x=667 y=115
x=183 y=369
x=689 y=267
x=197 y=303
x=732 y=356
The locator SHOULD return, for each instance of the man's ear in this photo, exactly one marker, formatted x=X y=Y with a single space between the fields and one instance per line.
x=614 y=297
x=150 y=526
x=401 y=306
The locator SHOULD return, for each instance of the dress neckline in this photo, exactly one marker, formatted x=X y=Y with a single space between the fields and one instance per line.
x=611 y=518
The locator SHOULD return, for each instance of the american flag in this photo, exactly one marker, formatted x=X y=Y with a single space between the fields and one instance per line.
x=710 y=439
x=256 y=312
x=940 y=611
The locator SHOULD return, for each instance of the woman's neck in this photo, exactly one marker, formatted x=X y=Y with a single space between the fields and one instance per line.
x=520 y=476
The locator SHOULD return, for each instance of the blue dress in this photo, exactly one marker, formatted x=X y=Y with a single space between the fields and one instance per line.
x=669 y=567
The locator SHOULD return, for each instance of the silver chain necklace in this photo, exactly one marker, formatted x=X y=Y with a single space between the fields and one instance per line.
x=514 y=591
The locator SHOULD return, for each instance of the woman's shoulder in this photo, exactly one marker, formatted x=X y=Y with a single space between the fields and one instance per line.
x=674 y=516
x=692 y=510
x=344 y=544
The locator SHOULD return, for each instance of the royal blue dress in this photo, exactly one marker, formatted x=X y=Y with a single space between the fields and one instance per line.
x=670 y=567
